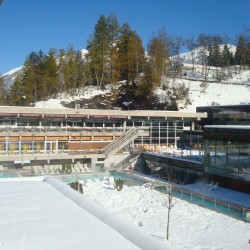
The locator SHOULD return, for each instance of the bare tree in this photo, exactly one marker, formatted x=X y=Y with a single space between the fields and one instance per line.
x=174 y=46
x=167 y=196
x=191 y=45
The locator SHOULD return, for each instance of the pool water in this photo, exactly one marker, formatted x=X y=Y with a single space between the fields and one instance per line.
x=7 y=175
x=128 y=180
x=229 y=209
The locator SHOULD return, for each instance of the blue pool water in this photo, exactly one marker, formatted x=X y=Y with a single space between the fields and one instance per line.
x=101 y=176
x=7 y=175
x=210 y=203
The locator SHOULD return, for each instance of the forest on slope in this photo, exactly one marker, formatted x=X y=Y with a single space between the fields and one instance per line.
x=116 y=56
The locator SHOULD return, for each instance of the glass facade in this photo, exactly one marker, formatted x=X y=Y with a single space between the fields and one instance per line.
x=161 y=132
x=227 y=153
x=192 y=140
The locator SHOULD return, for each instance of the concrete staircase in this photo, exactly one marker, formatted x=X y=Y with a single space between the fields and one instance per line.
x=121 y=142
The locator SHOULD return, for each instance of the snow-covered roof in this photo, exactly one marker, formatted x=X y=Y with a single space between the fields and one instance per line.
x=44 y=213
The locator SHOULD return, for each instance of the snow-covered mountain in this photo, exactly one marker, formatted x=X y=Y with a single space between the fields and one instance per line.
x=10 y=76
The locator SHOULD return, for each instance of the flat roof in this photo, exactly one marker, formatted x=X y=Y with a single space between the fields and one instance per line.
x=98 y=113
x=43 y=213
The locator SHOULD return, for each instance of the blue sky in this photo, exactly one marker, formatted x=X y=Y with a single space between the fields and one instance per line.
x=31 y=25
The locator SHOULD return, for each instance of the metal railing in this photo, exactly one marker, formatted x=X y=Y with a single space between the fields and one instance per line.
x=228 y=208
x=126 y=137
x=215 y=204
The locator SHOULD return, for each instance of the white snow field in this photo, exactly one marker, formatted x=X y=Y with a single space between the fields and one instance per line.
x=44 y=213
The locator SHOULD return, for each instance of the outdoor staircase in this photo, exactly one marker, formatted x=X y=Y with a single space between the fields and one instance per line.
x=121 y=142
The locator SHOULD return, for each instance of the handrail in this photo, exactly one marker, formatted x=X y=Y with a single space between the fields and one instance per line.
x=115 y=144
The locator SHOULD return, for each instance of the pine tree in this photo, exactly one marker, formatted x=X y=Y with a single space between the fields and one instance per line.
x=67 y=68
x=242 y=55
x=80 y=70
x=33 y=79
x=51 y=75
x=29 y=79
x=216 y=55
x=15 y=95
x=98 y=55
x=130 y=54
x=113 y=28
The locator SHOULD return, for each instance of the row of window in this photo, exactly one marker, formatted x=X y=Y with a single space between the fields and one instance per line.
x=88 y=122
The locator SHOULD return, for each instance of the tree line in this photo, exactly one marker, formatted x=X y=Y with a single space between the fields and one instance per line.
x=215 y=51
x=116 y=53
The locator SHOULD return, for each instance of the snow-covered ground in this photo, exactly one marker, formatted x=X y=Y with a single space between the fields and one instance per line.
x=86 y=93
x=191 y=227
x=216 y=93
x=36 y=215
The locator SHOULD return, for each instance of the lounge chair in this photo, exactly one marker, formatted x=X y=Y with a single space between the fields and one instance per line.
x=210 y=185
x=52 y=169
x=214 y=186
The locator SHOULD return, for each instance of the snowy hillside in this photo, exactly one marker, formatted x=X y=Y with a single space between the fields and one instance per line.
x=200 y=95
x=235 y=90
x=196 y=54
x=216 y=94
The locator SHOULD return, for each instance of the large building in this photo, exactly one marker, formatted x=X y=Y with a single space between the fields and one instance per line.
x=223 y=143
x=226 y=145
x=31 y=137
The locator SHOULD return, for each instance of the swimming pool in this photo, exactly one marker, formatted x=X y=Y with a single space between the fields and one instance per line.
x=128 y=179
x=217 y=205
x=7 y=175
